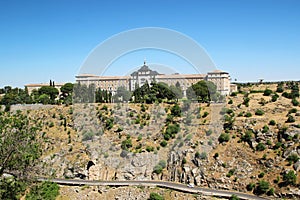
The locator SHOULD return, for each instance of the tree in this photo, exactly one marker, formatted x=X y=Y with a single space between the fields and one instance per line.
x=122 y=93
x=45 y=190
x=67 y=89
x=52 y=92
x=19 y=145
x=19 y=149
x=202 y=91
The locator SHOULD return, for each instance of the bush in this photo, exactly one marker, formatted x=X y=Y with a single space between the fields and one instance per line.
x=267 y=92
x=259 y=112
x=295 y=102
x=250 y=186
x=262 y=187
x=265 y=129
x=290 y=178
x=230 y=101
x=260 y=147
x=88 y=136
x=275 y=97
x=271 y=192
x=46 y=190
x=248 y=114
x=272 y=122
x=157 y=169
x=224 y=137
x=234 y=197
x=290 y=119
x=293 y=158
x=261 y=175
x=163 y=143
x=155 y=196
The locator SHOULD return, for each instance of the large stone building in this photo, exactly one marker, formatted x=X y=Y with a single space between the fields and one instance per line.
x=220 y=78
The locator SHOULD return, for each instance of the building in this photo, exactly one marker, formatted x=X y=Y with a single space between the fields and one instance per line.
x=220 y=78
x=37 y=86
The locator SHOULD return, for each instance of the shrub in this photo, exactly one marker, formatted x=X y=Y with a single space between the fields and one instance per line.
x=155 y=196
x=216 y=155
x=46 y=190
x=230 y=173
x=224 y=137
x=163 y=143
x=246 y=101
x=88 y=136
x=295 y=102
x=250 y=186
x=260 y=147
x=272 y=122
x=262 y=187
x=149 y=148
x=230 y=101
x=290 y=178
x=205 y=114
x=267 y=92
x=271 y=192
x=157 y=169
x=259 y=112
x=208 y=132
x=265 y=129
x=261 y=175
x=275 y=97
x=248 y=114
x=293 y=158
x=293 y=110
x=234 y=197
x=233 y=94
x=290 y=119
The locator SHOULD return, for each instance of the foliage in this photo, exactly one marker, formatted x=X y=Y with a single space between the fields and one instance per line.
x=250 y=186
x=203 y=91
x=272 y=122
x=290 y=119
x=46 y=190
x=260 y=147
x=176 y=111
x=224 y=137
x=295 y=102
x=11 y=188
x=259 y=112
x=159 y=167
x=267 y=92
x=293 y=158
x=122 y=94
x=19 y=145
x=234 y=197
x=290 y=178
x=248 y=114
x=262 y=187
x=155 y=196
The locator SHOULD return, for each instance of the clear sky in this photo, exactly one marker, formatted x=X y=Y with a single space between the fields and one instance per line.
x=50 y=39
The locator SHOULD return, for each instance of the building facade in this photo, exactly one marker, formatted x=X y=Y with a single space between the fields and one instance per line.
x=110 y=83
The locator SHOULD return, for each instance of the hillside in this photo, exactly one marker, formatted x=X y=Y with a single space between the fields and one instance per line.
x=259 y=144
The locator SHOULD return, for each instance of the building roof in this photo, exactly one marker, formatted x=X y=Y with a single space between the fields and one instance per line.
x=145 y=68
x=217 y=72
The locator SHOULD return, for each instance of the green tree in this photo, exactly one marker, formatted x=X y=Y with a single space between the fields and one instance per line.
x=45 y=190
x=52 y=92
x=122 y=94
x=202 y=91
x=19 y=144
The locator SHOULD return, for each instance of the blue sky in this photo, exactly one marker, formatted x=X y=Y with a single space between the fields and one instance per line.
x=50 y=39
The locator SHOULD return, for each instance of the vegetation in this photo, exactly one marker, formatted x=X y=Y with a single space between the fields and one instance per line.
x=45 y=190
x=155 y=196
